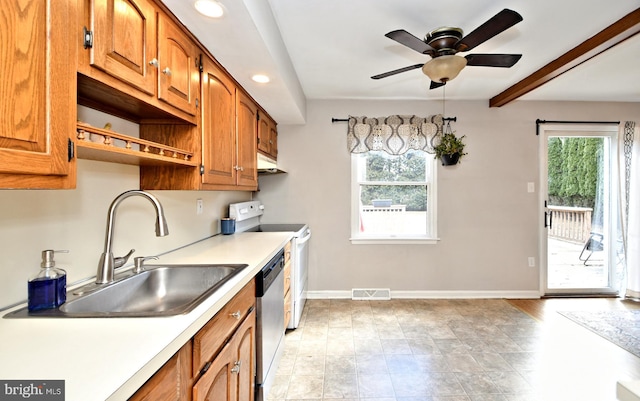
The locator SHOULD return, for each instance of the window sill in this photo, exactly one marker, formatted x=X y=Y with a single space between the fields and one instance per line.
x=394 y=241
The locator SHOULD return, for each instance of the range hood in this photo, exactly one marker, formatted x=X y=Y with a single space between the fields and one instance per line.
x=267 y=165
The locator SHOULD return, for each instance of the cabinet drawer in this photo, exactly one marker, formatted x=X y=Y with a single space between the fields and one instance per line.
x=210 y=339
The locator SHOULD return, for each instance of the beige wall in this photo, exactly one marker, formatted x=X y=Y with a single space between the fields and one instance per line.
x=487 y=221
x=31 y=221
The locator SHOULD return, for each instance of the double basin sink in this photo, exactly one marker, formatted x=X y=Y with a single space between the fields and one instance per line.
x=159 y=290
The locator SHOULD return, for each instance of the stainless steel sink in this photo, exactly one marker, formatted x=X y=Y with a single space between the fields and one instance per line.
x=160 y=290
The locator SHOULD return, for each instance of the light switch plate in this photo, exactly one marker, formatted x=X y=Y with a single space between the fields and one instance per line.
x=531 y=187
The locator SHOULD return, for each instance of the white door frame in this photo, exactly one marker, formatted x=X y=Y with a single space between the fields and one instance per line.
x=584 y=130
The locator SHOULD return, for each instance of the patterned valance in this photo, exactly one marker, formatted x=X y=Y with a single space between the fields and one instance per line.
x=394 y=134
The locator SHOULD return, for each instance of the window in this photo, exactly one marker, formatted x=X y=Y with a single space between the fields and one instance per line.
x=393 y=197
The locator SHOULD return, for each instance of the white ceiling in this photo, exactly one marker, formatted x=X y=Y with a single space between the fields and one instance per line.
x=329 y=49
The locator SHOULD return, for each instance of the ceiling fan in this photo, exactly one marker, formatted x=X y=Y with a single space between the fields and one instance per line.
x=443 y=43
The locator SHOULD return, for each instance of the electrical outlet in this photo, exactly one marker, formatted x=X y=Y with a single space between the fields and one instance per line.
x=532 y=261
x=199 y=206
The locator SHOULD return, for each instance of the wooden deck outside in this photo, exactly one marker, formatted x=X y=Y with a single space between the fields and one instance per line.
x=567 y=270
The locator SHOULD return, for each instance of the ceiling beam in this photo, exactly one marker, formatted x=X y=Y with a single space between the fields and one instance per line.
x=609 y=37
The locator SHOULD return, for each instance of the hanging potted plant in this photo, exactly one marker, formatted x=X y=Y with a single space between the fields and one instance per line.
x=450 y=149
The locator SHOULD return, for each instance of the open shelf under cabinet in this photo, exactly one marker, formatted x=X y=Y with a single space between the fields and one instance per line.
x=105 y=145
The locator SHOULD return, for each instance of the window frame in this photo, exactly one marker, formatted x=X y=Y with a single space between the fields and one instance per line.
x=431 y=237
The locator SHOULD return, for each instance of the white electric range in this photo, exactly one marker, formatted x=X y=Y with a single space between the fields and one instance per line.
x=247 y=216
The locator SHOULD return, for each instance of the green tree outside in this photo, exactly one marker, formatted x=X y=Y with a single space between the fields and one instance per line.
x=554 y=165
x=409 y=167
x=573 y=166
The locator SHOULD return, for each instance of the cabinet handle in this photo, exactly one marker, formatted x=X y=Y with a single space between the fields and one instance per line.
x=236 y=367
x=239 y=168
x=154 y=62
x=236 y=314
x=167 y=72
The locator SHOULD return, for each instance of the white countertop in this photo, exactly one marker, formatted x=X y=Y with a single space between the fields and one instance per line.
x=110 y=358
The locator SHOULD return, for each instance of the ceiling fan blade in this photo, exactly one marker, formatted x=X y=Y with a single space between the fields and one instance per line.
x=492 y=60
x=398 y=71
x=500 y=22
x=435 y=85
x=405 y=38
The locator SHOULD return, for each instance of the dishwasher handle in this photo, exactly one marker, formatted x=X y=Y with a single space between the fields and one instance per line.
x=269 y=273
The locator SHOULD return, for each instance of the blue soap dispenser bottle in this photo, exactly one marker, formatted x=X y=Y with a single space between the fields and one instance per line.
x=47 y=289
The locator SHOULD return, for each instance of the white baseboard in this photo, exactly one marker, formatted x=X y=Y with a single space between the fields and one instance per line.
x=432 y=294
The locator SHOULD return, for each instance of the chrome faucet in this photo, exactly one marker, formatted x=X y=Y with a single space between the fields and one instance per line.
x=108 y=263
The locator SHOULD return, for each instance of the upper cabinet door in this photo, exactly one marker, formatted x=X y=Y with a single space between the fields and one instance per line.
x=267 y=136
x=37 y=91
x=125 y=41
x=273 y=139
x=179 y=74
x=263 y=135
x=247 y=112
x=218 y=126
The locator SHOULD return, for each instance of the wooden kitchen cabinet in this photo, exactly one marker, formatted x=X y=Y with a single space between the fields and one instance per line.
x=224 y=351
x=173 y=382
x=136 y=62
x=132 y=59
x=267 y=136
x=218 y=126
x=124 y=41
x=247 y=132
x=229 y=127
x=37 y=94
x=217 y=364
x=179 y=73
x=228 y=139
x=212 y=337
x=231 y=375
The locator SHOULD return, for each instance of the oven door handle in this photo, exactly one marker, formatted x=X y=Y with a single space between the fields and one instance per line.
x=305 y=238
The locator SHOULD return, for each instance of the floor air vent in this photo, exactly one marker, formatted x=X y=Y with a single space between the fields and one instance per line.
x=376 y=294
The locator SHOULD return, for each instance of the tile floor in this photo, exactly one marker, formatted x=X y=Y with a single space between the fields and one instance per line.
x=411 y=350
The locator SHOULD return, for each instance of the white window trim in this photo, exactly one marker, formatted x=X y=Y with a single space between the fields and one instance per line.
x=432 y=219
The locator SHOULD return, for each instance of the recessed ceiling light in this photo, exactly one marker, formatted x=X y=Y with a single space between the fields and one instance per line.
x=209 y=8
x=263 y=79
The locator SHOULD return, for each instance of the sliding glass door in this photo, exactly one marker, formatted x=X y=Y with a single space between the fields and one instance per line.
x=579 y=233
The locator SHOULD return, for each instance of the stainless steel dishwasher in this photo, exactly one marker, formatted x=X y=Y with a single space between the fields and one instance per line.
x=270 y=324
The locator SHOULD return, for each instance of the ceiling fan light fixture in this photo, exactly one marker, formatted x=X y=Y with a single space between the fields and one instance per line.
x=209 y=8
x=444 y=68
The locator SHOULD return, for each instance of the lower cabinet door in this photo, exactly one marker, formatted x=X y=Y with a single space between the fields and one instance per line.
x=172 y=382
x=230 y=377
x=245 y=351
x=217 y=384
